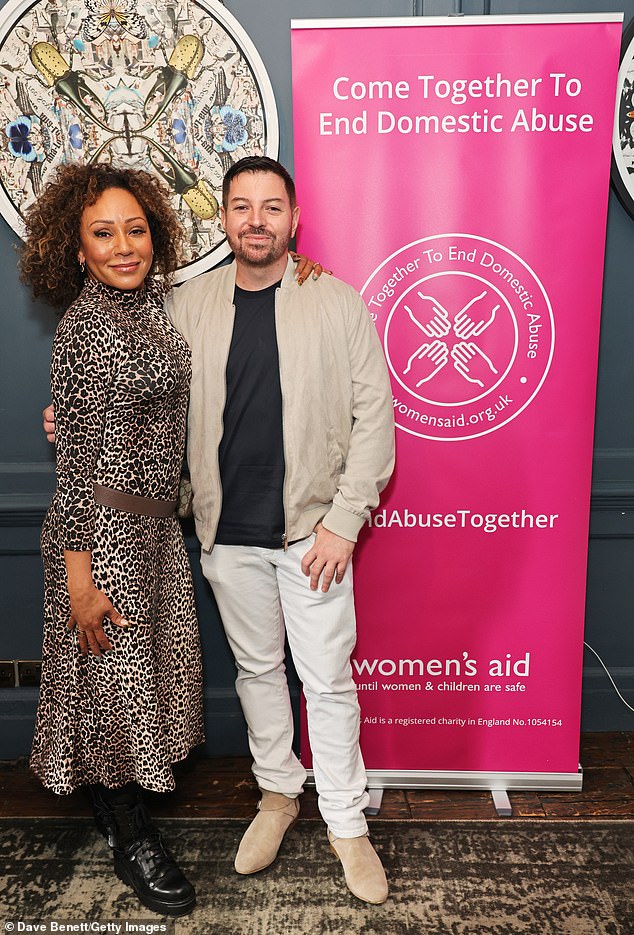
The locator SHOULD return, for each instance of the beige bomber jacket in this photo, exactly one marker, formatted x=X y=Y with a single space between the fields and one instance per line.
x=338 y=422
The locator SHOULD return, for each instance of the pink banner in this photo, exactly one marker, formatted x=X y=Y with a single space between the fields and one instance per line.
x=456 y=172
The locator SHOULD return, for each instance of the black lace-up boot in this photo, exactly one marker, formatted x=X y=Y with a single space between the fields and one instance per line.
x=102 y=812
x=140 y=858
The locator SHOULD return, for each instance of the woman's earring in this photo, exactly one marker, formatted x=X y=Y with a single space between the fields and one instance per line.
x=82 y=266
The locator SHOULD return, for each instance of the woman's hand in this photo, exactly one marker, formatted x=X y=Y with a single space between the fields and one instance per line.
x=306 y=266
x=88 y=609
x=48 y=416
x=88 y=606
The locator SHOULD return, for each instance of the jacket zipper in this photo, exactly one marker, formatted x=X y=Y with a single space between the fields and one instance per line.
x=220 y=491
x=284 y=498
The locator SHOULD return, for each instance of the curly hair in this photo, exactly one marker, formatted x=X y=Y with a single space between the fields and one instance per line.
x=48 y=261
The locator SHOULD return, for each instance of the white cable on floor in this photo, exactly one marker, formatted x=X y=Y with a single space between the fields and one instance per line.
x=607 y=672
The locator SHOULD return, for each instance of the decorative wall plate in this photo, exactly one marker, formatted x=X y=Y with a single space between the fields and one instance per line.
x=175 y=88
x=623 y=137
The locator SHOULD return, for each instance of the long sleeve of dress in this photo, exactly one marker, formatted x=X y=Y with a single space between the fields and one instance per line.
x=82 y=370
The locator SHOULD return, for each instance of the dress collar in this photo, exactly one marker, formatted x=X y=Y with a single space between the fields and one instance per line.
x=129 y=299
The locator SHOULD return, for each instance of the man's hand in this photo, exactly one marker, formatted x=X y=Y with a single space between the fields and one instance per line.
x=48 y=415
x=329 y=554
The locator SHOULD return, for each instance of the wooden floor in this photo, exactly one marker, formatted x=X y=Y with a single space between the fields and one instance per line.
x=224 y=788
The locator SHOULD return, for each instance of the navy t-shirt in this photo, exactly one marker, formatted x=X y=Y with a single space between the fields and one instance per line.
x=251 y=452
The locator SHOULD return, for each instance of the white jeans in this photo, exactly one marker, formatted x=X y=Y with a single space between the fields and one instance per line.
x=261 y=595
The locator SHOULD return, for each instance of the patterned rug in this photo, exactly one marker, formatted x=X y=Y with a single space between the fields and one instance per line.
x=447 y=878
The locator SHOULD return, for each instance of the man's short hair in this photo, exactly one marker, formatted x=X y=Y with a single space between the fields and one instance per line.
x=258 y=164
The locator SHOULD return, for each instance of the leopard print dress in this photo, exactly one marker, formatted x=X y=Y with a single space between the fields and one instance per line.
x=120 y=377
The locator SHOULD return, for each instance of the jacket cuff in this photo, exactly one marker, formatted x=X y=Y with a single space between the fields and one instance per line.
x=343 y=523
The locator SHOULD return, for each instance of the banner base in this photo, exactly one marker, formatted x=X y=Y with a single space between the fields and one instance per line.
x=502 y=803
x=468 y=779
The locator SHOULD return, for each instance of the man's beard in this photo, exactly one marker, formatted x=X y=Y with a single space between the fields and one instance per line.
x=260 y=254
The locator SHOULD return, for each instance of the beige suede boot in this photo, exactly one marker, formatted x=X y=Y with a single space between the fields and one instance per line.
x=362 y=867
x=261 y=841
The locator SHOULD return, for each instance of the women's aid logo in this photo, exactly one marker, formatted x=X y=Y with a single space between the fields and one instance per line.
x=468 y=334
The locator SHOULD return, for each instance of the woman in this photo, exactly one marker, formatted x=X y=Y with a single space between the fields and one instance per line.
x=120 y=699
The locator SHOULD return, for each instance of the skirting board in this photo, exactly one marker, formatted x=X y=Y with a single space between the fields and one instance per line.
x=458 y=779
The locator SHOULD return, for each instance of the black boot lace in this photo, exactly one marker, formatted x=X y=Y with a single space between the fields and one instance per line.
x=151 y=855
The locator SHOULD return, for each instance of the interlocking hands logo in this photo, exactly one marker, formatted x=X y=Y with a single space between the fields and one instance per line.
x=469 y=360
x=468 y=334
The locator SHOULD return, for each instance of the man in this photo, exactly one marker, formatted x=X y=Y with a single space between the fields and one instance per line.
x=283 y=481
x=290 y=441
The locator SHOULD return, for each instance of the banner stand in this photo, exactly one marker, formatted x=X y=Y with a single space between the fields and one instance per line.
x=379 y=779
x=439 y=163
x=498 y=784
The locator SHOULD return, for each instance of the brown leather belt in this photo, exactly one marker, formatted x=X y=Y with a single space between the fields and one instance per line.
x=131 y=503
